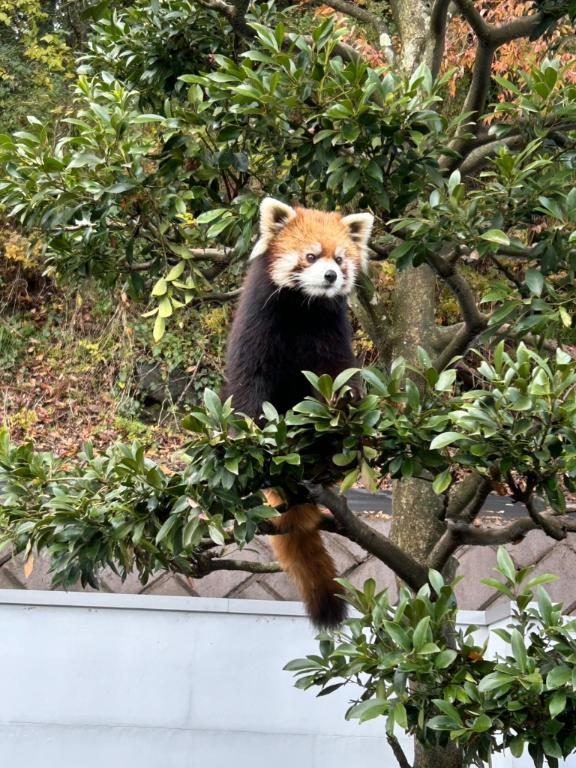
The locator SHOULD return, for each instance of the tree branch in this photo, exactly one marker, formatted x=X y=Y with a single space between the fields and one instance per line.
x=209 y=562
x=474 y=18
x=458 y=534
x=234 y=12
x=468 y=497
x=361 y=14
x=438 y=24
x=6 y=557
x=368 y=308
x=219 y=298
x=548 y=523
x=410 y=571
x=217 y=255
x=399 y=753
x=475 y=159
x=474 y=320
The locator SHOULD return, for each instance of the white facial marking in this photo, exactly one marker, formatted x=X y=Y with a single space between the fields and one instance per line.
x=283 y=271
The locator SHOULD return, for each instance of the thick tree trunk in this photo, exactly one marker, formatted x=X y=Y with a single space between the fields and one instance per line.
x=417 y=511
x=437 y=757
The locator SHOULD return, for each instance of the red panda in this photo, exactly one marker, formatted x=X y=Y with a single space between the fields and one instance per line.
x=292 y=316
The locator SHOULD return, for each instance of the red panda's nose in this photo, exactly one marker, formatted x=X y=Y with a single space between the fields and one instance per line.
x=330 y=276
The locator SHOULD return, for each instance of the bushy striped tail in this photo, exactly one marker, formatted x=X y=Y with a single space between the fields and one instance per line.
x=302 y=554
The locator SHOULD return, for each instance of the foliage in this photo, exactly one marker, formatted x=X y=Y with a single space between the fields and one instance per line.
x=441 y=684
x=35 y=58
x=121 y=507
x=184 y=115
x=517 y=56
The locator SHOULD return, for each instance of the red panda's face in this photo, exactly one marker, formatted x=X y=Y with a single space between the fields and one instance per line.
x=312 y=251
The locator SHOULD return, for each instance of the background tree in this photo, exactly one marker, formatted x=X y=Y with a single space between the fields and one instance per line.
x=152 y=180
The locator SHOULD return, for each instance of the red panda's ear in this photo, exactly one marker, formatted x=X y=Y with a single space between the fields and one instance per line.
x=274 y=215
x=360 y=226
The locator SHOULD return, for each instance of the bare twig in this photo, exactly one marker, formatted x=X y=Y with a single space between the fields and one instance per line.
x=209 y=562
x=408 y=569
x=218 y=298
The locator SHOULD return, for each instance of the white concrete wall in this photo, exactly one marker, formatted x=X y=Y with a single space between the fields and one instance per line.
x=131 y=681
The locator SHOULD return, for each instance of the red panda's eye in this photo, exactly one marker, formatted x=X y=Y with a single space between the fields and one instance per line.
x=338 y=260
x=310 y=258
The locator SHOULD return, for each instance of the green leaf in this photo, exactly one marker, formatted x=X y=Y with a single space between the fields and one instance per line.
x=506 y=564
x=175 y=272
x=159 y=328
x=442 y=481
x=445 y=658
x=496 y=236
x=446 y=438
x=495 y=681
x=481 y=724
x=445 y=380
x=421 y=632
x=160 y=287
x=558 y=677
x=350 y=479
x=368 y=710
x=535 y=281
x=166 y=528
x=516 y=746
x=557 y=703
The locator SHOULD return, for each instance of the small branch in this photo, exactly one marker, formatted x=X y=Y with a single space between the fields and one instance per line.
x=208 y=563
x=368 y=307
x=474 y=18
x=211 y=254
x=399 y=753
x=6 y=557
x=217 y=255
x=361 y=14
x=468 y=497
x=235 y=13
x=459 y=534
x=464 y=504
x=438 y=24
x=219 y=298
x=410 y=571
x=474 y=321
x=480 y=155
x=521 y=287
x=549 y=524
